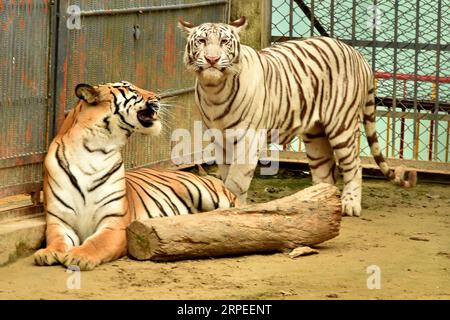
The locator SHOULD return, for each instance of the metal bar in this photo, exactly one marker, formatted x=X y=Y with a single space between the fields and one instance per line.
x=384 y=44
x=402 y=132
x=312 y=19
x=394 y=86
x=22 y=160
x=228 y=11
x=430 y=141
x=388 y=132
x=410 y=115
x=417 y=143
x=52 y=59
x=447 y=141
x=400 y=45
x=416 y=69
x=291 y=18
x=91 y=13
x=353 y=23
x=307 y=12
x=60 y=67
x=374 y=36
x=409 y=103
x=438 y=66
x=177 y=92
x=402 y=122
x=407 y=76
x=332 y=18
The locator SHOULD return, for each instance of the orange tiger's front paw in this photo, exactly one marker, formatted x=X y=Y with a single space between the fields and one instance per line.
x=79 y=257
x=47 y=257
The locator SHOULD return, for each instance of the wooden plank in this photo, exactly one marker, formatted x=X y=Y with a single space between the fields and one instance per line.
x=20 y=188
x=22 y=160
x=431 y=167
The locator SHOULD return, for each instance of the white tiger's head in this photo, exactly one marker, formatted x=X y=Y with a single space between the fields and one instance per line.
x=212 y=49
x=123 y=106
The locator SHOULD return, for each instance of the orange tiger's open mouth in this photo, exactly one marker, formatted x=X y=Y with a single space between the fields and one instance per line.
x=146 y=117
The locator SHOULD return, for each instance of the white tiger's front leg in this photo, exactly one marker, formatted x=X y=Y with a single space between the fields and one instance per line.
x=238 y=171
x=239 y=179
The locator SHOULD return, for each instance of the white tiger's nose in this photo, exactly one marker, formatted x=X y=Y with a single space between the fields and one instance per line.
x=212 y=60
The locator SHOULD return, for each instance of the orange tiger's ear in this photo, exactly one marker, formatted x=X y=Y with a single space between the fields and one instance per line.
x=185 y=26
x=240 y=24
x=87 y=93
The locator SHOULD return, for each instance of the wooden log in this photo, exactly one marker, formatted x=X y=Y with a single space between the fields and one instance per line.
x=306 y=218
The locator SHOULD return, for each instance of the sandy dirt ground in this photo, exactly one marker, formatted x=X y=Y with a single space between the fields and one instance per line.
x=405 y=233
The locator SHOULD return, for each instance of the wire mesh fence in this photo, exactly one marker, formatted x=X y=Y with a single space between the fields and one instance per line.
x=407 y=43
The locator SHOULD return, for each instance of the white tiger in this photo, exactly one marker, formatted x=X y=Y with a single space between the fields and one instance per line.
x=318 y=86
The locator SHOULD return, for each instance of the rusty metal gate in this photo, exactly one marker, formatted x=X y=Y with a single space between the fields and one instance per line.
x=47 y=47
x=408 y=45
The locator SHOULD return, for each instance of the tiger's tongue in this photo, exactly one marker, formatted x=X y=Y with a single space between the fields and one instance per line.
x=147 y=116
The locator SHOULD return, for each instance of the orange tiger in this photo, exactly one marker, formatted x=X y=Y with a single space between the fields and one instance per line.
x=89 y=199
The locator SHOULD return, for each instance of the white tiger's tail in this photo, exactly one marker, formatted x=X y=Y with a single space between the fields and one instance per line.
x=400 y=175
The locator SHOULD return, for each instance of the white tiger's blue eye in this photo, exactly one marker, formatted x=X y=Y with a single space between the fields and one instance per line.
x=224 y=41
x=202 y=41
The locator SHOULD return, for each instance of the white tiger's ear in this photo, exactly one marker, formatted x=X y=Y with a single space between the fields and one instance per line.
x=240 y=24
x=185 y=26
x=87 y=93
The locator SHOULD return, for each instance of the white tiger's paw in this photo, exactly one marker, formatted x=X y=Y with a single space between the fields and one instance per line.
x=82 y=259
x=351 y=207
x=47 y=257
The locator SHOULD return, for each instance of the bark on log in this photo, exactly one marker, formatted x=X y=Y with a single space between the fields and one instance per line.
x=306 y=218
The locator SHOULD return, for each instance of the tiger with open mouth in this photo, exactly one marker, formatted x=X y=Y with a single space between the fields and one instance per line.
x=90 y=199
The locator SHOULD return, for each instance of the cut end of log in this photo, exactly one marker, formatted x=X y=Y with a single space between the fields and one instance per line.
x=139 y=239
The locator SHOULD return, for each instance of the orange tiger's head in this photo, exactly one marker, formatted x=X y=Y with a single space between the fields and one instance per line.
x=122 y=106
